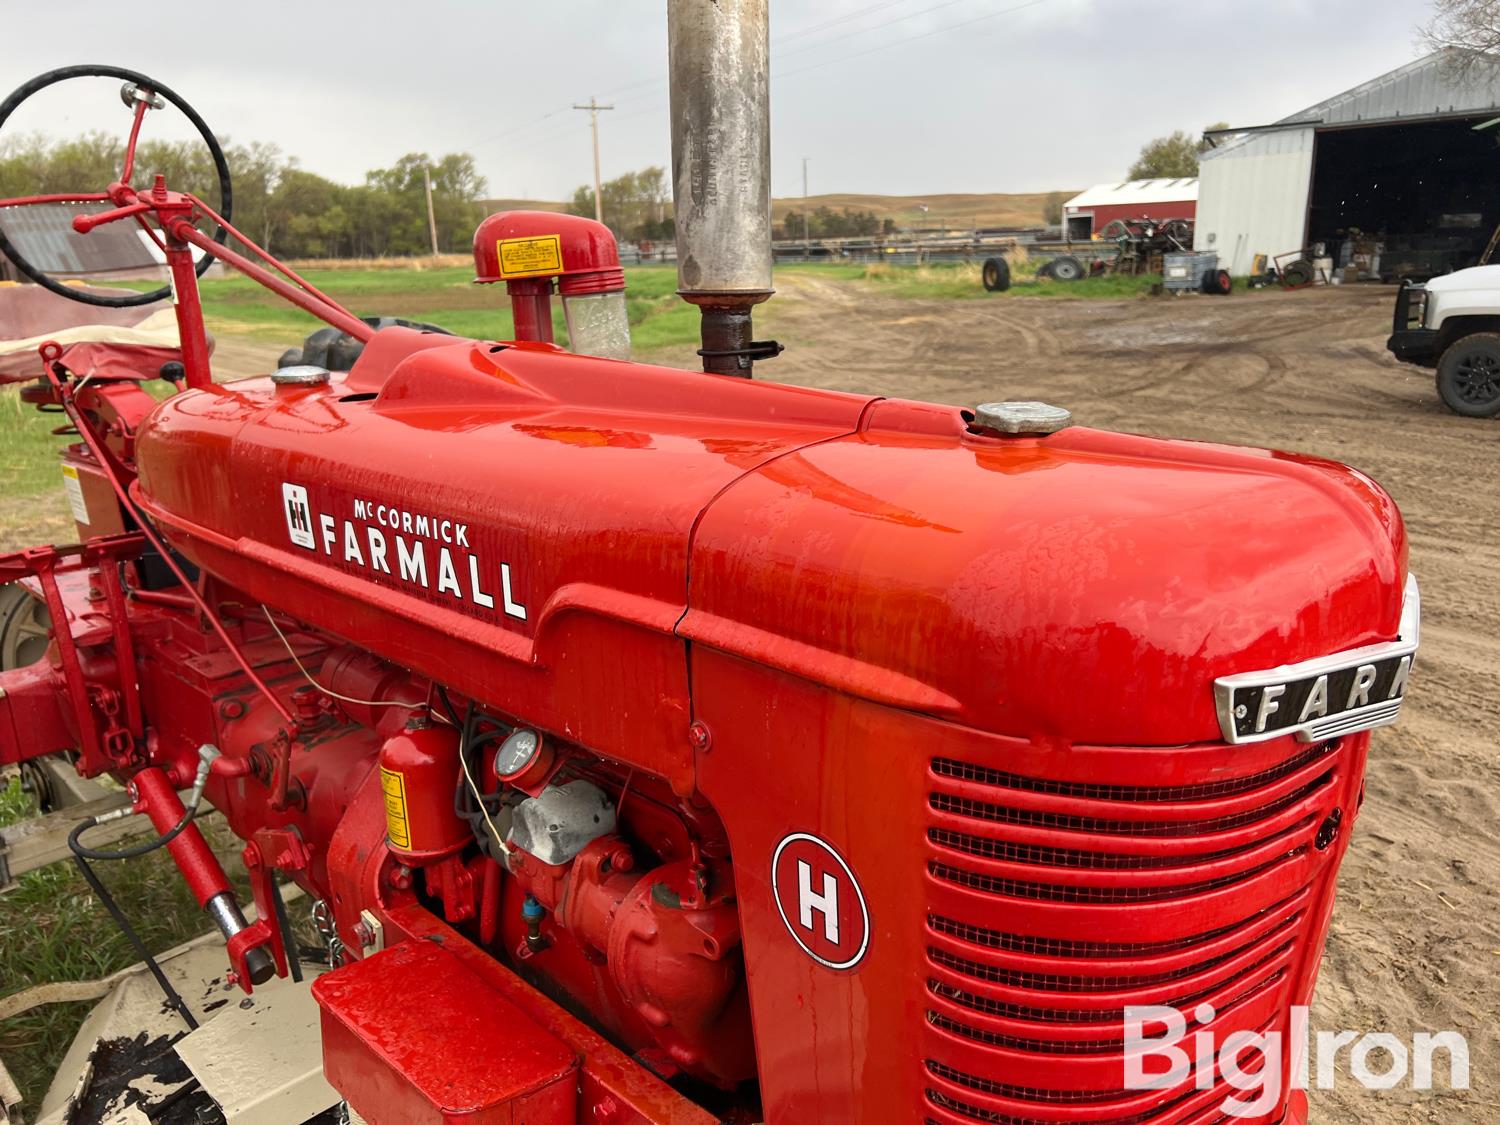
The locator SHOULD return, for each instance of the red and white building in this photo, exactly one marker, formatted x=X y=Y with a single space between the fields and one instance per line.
x=1088 y=212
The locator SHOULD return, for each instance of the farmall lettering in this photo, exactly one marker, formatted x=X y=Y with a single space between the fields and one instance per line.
x=420 y=549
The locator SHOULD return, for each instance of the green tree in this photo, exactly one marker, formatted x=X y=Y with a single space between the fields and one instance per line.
x=1170 y=158
x=825 y=222
x=288 y=210
x=1052 y=209
x=635 y=204
x=457 y=188
x=1166 y=158
x=256 y=170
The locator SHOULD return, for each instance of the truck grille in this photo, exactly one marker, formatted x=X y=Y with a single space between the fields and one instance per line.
x=1054 y=905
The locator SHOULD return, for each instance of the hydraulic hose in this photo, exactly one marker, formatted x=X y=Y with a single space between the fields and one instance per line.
x=206 y=756
x=98 y=887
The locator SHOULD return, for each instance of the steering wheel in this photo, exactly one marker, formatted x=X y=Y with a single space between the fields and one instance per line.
x=149 y=91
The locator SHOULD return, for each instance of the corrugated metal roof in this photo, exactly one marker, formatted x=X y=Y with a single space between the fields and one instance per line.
x=44 y=235
x=1129 y=192
x=1425 y=88
x=1428 y=87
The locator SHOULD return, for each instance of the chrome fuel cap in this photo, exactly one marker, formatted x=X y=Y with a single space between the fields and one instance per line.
x=1014 y=419
x=300 y=375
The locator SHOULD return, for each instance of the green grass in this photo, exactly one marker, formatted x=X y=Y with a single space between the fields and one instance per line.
x=28 y=448
x=52 y=929
x=961 y=281
x=447 y=297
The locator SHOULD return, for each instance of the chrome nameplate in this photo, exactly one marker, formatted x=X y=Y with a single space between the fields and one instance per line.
x=1325 y=697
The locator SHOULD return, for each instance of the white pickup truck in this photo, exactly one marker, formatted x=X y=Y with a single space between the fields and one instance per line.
x=1452 y=324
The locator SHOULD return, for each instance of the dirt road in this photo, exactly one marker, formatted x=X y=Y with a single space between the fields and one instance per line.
x=1416 y=934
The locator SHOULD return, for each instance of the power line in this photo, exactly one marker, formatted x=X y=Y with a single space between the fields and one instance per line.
x=657 y=105
x=874 y=27
x=911 y=38
x=868 y=10
x=518 y=128
x=648 y=83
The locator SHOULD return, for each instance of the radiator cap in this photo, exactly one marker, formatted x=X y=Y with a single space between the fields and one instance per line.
x=1020 y=418
x=300 y=375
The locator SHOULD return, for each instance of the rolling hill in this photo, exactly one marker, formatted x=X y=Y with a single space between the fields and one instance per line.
x=952 y=210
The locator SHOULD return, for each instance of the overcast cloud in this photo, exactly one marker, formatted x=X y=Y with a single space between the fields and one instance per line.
x=886 y=96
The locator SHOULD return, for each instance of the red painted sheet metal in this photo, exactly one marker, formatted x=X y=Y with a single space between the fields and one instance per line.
x=1086 y=587
x=620 y=1090
x=1020 y=895
x=411 y=1036
x=577 y=482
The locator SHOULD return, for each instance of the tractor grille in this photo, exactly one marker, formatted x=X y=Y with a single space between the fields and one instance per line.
x=1055 y=905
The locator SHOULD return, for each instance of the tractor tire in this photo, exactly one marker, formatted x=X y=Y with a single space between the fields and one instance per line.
x=996 y=275
x=1218 y=283
x=1066 y=268
x=1468 y=376
x=25 y=628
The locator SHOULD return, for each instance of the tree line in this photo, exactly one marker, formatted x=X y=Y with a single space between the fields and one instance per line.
x=288 y=210
x=638 y=208
x=294 y=213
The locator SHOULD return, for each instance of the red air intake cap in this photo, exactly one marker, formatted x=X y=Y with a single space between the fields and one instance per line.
x=515 y=245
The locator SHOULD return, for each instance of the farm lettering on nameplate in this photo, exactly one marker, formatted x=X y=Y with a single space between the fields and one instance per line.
x=429 y=551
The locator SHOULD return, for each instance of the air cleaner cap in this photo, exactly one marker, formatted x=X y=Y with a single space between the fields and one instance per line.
x=300 y=375
x=1021 y=418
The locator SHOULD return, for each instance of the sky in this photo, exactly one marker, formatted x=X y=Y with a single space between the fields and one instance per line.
x=898 y=97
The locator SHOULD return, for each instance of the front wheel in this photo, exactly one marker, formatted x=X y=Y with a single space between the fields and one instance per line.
x=1468 y=376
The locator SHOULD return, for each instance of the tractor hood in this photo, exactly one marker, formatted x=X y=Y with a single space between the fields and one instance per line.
x=514 y=519
x=1087 y=587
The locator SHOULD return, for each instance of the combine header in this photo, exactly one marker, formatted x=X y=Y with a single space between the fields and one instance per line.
x=663 y=746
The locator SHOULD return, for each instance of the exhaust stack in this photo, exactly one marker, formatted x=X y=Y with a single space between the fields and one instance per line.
x=718 y=55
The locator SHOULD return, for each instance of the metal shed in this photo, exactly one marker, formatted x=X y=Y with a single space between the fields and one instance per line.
x=1408 y=160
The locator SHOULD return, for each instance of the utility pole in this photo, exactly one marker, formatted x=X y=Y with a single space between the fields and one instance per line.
x=594 y=107
x=431 y=215
x=806 y=241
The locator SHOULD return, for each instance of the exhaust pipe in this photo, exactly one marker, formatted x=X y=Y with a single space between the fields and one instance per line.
x=719 y=60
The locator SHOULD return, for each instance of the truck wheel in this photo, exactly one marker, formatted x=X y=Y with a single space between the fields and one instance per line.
x=996 y=275
x=1468 y=376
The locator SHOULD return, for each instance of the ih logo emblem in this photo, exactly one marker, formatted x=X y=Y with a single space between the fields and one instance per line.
x=820 y=901
x=298 y=515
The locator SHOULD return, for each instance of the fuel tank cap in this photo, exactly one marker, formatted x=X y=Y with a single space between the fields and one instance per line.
x=1020 y=418
x=300 y=375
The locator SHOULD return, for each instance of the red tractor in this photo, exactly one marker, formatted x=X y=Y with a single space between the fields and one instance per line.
x=665 y=746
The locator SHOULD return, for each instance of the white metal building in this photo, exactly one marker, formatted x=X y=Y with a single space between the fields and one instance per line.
x=1409 y=158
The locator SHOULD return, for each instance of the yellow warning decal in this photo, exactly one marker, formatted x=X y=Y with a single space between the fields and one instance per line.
x=74 y=489
x=396 y=826
x=530 y=257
